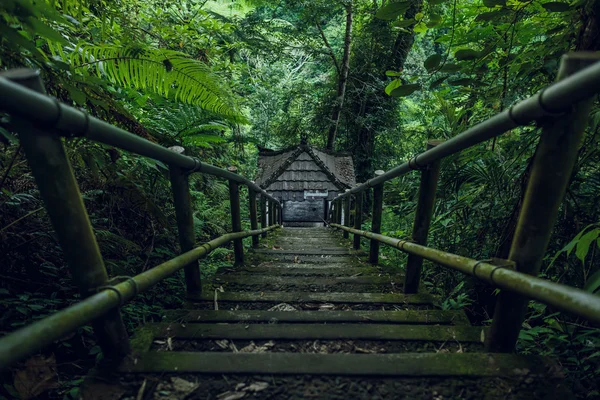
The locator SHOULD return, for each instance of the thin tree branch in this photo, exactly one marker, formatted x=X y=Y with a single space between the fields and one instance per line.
x=330 y=50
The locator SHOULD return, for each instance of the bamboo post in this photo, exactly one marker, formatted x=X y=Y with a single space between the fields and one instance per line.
x=376 y=222
x=358 y=218
x=236 y=219
x=346 y=201
x=551 y=169
x=59 y=190
x=427 y=188
x=185 y=222
x=280 y=221
x=271 y=213
x=253 y=215
x=263 y=215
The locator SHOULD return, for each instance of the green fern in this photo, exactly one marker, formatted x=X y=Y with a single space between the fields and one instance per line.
x=168 y=73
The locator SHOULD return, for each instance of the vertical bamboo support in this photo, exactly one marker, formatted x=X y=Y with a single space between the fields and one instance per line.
x=346 y=201
x=236 y=218
x=427 y=188
x=59 y=190
x=253 y=215
x=271 y=212
x=376 y=222
x=263 y=215
x=358 y=218
x=280 y=220
x=185 y=222
x=551 y=169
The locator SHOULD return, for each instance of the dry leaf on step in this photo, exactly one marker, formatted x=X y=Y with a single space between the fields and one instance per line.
x=256 y=387
x=38 y=376
x=231 y=395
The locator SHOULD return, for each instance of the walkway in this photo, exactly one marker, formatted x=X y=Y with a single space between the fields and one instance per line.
x=308 y=318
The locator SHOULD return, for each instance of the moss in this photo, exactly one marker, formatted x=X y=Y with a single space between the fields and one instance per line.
x=142 y=339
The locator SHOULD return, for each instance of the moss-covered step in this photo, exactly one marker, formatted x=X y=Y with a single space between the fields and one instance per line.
x=404 y=364
x=323 y=331
x=308 y=297
x=250 y=279
x=432 y=317
x=287 y=269
x=312 y=259
x=315 y=251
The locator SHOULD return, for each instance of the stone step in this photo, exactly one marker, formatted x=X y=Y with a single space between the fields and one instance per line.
x=379 y=365
x=312 y=259
x=425 y=317
x=309 y=297
x=304 y=252
x=302 y=270
x=314 y=331
x=250 y=279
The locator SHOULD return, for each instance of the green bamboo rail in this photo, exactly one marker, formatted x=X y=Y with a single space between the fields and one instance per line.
x=562 y=109
x=501 y=275
x=25 y=341
x=40 y=134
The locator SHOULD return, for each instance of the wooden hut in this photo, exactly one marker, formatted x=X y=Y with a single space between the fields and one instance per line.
x=305 y=180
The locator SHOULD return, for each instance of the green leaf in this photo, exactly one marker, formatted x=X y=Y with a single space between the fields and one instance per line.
x=461 y=82
x=434 y=20
x=437 y=82
x=495 y=16
x=556 y=6
x=4 y=291
x=22 y=310
x=392 y=10
x=396 y=83
x=494 y=3
x=449 y=67
x=77 y=95
x=466 y=54
x=434 y=2
x=393 y=73
x=592 y=284
x=583 y=245
x=405 y=90
x=432 y=62
x=420 y=28
x=404 y=23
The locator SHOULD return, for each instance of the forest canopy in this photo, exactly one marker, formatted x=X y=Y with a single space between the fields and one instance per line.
x=375 y=78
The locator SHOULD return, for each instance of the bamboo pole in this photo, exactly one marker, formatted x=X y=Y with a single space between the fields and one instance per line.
x=263 y=215
x=553 y=163
x=253 y=216
x=236 y=218
x=26 y=341
x=59 y=190
x=347 y=213
x=571 y=300
x=376 y=221
x=357 y=218
x=185 y=222
x=427 y=188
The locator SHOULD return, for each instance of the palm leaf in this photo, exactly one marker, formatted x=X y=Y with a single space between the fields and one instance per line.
x=168 y=73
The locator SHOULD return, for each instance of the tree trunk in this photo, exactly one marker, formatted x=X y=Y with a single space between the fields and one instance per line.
x=342 y=79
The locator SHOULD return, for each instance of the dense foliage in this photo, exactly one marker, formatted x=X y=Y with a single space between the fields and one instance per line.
x=223 y=77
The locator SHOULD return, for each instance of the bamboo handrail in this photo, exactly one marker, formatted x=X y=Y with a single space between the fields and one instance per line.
x=31 y=338
x=563 y=297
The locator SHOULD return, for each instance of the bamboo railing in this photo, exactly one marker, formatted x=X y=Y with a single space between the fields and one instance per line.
x=562 y=110
x=41 y=122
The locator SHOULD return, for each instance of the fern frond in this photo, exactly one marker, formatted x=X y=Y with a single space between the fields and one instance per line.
x=168 y=73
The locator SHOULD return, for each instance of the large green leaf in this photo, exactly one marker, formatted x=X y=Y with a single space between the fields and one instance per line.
x=396 y=83
x=556 y=6
x=168 y=73
x=592 y=284
x=405 y=90
x=466 y=54
x=494 y=3
x=432 y=62
x=404 y=23
x=449 y=67
x=583 y=245
x=392 y=10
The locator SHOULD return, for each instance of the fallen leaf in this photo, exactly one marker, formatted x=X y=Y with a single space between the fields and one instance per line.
x=170 y=344
x=257 y=387
x=38 y=376
x=231 y=395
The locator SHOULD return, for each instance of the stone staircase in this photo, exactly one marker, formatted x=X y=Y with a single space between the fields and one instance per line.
x=308 y=318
